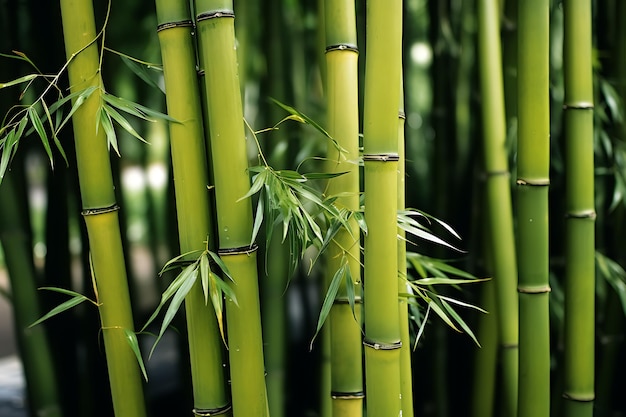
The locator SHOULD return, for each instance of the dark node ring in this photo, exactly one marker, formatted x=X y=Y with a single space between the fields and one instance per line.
x=381 y=157
x=241 y=250
x=357 y=300
x=347 y=395
x=213 y=411
x=588 y=214
x=381 y=346
x=533 y=183
x=534 y=290
x=402 y=115
x=100 y=210
x=215 y=14
x=342 y=47
x=170 y=25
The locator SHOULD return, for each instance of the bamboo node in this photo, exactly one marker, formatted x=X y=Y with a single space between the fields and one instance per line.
x=582 y=105
x=381 y=157
x=342 y=47
x=580 y=398
x=542 y=289
x=402 y=115
x=206 y=412
x=214 y=14
x=509 y=346
x=584 y=214
x=540 y=182
x=241 y=250
x=495 y=173
x=100 y=210
x=357 y=300
x=338 y=395
x=381 y=346
x=170 y=25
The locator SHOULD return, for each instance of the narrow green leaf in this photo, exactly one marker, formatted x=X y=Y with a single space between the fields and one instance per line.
x=442 y=315
x=136 y=109
x=19 y=80
x=41 y=131
x=205 y=271
x=81 y=96
x=104 y=120
x=447 y=281
x=258 y=220
x=125 y=124
x=221 y=265
x=217 y=301
x=142 y=72
x=131 y=338
x=459 y=320
x=421 y=327
x=350 y=291
x=72 y=302
x=329 y=299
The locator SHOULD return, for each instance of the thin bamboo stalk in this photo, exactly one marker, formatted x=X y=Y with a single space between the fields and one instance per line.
x=343 y=124
x=101 y=212
x=498 y=193
x=194 y=211
x=533 y=156
x=33 y=344
x=382 y=95
x=406 y=374
x=579 y=331
x=215 y=24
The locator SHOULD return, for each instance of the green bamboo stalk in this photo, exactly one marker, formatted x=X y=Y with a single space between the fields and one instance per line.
x=215 y=24
x=533 y=156
x=382 y=95
x=194 y=211
x=498 y=193
x=100 y=211
x=406 y=375
x=579 y=331
x=33 y=344
x=343 y=124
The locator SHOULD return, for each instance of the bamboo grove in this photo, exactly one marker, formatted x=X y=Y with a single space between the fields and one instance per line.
x=331 y=208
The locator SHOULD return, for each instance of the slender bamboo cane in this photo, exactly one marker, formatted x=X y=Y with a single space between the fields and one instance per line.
x=343 y=124
x=33 y=343
x=382 y=95
x=194 y=212
x=215 y=23
x=101 y=212
x=498 y=192
x=406 y=375
x=533 y=156
x=579 y=329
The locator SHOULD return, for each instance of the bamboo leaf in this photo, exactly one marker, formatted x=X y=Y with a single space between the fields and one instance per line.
x=329 y=299
x=136 y=109
x=72 y=302
x=81 y=96
x=439 y=311
x=131 y=338
x=422 y=326
x=459 y=320
x=221 y=265
x=171 y=264
x=446 y=281
x=350 y=292
x=205 y=271
x=258 y=221
x=217 y=301
x=41 y=131
x=142 y=72
x=57 y=143
x=168 y=293
x=104 y=120
x=125 y=124
x=20 y=80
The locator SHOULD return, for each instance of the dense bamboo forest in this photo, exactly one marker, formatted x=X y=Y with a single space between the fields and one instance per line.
x=324 y=208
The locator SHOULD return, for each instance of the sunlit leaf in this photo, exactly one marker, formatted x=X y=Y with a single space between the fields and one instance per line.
x=72 y=302
x=205 y=271
x=329 y=299
x=131 y=338
x=20 y=80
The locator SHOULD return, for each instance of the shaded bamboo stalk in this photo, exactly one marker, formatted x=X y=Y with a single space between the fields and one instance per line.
x=380 y=128
x=100 y=211
x=194 y=211
x=579 y=331
x=34 y=348
x=406 y=374
x=498 y=194
x=343 y=124
x=533 y=156
x=215 y=24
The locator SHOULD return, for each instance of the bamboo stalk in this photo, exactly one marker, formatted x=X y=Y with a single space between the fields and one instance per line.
x=343 y=124
x=215 y=23
x=406 y=374
x=533 y=155
x=498 y=192
x=382 y=95
x=194 y=211
x=579 y=329
x=101 y=212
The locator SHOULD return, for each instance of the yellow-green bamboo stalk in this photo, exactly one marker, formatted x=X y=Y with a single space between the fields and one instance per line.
x=100 y=211
x=215 y=24
x=533 y=156
x=34 y=348
x=579 y=329
x=498 y=193
x=406 y=375
x=194 y=212
x=380 y=128
x=343 y=124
